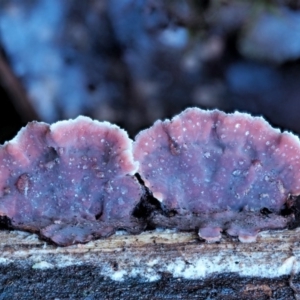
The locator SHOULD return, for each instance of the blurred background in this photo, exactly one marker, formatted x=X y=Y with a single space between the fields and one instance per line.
x=132 y=62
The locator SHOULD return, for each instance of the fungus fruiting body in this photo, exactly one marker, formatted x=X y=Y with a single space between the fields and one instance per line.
x=213 y=172
x=219 y=172
x=71 y=181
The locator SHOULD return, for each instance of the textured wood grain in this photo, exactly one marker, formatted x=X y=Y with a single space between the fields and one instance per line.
x=159 y=265
x=274 y=254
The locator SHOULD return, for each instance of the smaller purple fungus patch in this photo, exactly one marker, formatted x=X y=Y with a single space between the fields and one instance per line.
x=219 y=172
x=71 y=181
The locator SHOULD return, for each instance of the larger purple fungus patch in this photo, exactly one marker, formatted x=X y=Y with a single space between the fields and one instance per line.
x=71 y=181
x=219 y=172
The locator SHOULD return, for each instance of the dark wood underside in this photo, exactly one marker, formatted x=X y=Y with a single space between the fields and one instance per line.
x=114 y=268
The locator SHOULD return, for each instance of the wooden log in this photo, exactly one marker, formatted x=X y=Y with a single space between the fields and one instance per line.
x=152 y=265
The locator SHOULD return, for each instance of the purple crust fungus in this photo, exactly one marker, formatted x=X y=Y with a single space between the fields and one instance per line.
x=71 y=181
x=219 y=172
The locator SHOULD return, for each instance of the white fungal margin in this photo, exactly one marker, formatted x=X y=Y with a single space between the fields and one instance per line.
x=104 y=125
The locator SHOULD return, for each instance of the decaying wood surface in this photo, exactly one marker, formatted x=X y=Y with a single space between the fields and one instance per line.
x=266 y=266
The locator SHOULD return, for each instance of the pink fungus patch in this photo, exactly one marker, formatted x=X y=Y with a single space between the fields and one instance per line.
x=222 y=169
x=71 y=181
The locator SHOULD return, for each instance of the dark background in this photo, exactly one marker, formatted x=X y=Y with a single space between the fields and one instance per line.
x=132 y=62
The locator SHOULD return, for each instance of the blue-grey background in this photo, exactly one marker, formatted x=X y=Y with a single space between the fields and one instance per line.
x=134 y=61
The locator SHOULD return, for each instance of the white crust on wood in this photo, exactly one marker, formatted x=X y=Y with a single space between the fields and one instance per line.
x=150 y=254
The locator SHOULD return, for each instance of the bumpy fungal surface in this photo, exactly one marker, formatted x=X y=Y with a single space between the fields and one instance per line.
x=71 y=181
x=219 y=172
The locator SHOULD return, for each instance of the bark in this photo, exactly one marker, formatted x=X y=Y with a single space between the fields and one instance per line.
x=152 y=265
